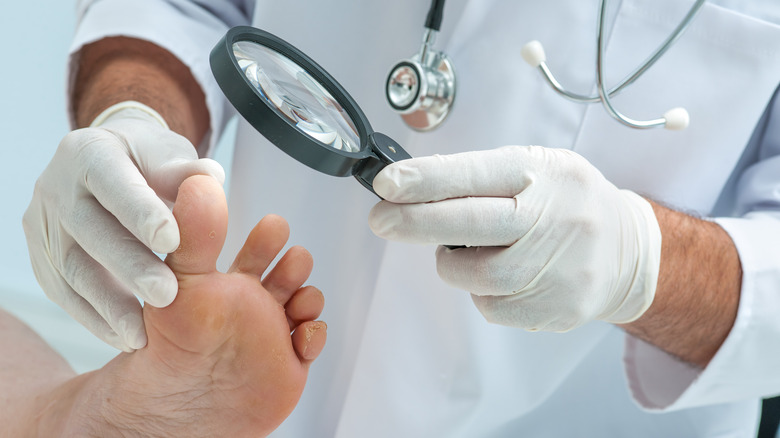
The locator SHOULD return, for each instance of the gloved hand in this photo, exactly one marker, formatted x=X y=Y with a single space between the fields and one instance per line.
x=100 y=209
x=551 y=244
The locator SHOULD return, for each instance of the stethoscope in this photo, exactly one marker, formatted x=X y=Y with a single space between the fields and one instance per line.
x=300 y=108
x=422 y=89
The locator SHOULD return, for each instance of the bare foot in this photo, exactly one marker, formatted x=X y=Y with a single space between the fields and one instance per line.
x=221 y=360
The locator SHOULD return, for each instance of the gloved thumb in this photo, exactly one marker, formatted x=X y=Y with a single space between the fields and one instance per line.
x=169 y=176
x=163 y=157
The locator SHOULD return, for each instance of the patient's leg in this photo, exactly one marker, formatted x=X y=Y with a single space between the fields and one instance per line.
x=28 y=367
x=221 y=360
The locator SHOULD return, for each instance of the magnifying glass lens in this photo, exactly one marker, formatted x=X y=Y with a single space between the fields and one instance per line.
x=297 y=96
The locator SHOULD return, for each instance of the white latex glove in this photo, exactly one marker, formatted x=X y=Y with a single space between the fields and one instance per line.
x=100 y=209
x=551 y=244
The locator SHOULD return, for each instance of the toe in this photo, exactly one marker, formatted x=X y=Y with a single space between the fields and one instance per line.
x=306 y=304
x=289 y=274
x=309 y=340
x=201 y=212
x=263 y=245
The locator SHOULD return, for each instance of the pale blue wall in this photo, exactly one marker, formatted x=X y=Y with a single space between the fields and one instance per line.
x=34 y=40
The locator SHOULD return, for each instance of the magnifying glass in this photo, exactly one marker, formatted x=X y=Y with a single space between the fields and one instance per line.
x=298 y=106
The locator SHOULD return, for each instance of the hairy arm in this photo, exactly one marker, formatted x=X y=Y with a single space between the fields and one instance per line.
x=698 y=289
x=116 y=69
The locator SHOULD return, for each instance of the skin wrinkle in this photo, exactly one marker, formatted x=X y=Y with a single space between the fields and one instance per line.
x=184 y=402
x=114 y=417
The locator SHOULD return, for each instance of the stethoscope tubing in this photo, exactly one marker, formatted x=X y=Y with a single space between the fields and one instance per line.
x=676 y=118
x=604 y=95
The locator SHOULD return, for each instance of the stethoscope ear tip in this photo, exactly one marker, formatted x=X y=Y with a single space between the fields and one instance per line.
x=677 y=119
x=533 y=53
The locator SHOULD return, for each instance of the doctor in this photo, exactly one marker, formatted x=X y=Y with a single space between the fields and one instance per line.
x=669 y=320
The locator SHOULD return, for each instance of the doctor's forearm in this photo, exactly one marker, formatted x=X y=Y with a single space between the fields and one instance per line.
x=698 y=289
x=117 y=69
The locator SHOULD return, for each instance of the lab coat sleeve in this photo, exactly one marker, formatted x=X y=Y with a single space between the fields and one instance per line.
x=187 y=29
x=746 y=366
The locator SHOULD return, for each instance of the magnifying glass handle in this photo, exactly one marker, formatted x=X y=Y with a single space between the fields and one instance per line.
x=385 y=151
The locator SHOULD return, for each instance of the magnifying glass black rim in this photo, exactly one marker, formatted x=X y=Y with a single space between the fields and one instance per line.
x=267 y=119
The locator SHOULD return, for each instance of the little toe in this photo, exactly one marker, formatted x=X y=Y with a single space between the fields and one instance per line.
x=309 y=339
x=201 y=213
x=265 y=241
x=289 y=274
x=306 y=304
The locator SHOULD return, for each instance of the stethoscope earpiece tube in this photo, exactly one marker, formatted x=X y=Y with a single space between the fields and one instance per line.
x=673 y=119
x=435 y=15
x=422 y=89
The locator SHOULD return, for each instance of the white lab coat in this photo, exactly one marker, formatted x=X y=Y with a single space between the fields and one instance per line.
x=408 y=356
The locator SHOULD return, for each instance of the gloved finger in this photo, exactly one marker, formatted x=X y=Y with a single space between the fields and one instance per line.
x=77 y=307
x=80 y=310
x=166 y=179
x=486 y=270
x=133 y=265
x=172 y=158
x=459 y=221
x=120 y=187
x=107 y=297
x=502 y=172
x=530 y=315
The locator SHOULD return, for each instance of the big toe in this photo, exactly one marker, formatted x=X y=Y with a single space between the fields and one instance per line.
x=201 y=212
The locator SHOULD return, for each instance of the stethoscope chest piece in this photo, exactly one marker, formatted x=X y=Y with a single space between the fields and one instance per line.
x=422 y=89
